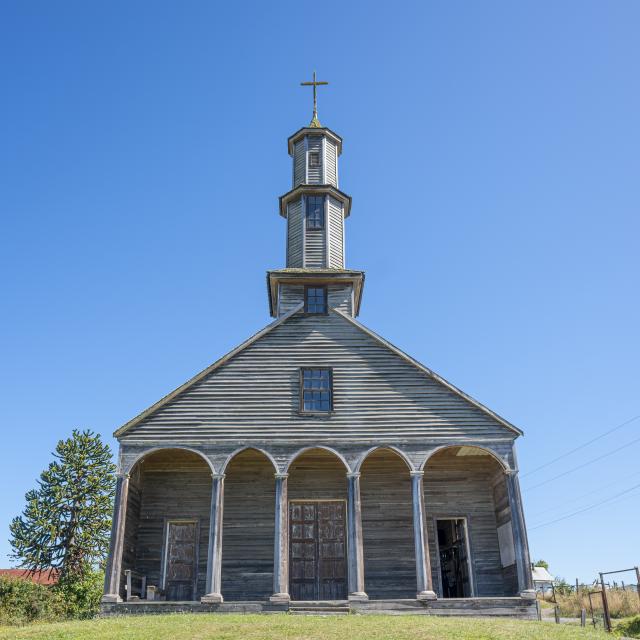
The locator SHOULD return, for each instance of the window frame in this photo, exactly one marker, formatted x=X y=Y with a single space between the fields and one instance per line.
x=306 y=299
x=316 y=155
x=308 y=225
x=317 y=412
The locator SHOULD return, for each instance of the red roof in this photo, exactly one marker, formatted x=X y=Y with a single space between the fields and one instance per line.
x=40 y=577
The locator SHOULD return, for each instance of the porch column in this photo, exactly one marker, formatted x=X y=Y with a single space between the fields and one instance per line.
x=520 y=542
x=116 y=544
x=214 y=556
x=281 y=543
x=354 y=539
x=421 y=541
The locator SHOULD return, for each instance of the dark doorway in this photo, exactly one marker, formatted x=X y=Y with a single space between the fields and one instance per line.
x=180 y=560
x=317 y=550
x=454 y=558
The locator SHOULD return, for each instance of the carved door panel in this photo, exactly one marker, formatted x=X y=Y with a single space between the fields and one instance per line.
x=181 y=561
x=317 y=552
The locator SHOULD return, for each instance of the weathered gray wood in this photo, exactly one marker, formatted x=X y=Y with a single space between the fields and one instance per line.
x=387 y=527
x=421 y=542
x=281 y=542
x=523 y=564
x=248 y=528
x=295 y=234
x=114 y=565
x=354 y=538
x=214 y=550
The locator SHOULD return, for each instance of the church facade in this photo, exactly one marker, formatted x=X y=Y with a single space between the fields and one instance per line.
x=317 y=462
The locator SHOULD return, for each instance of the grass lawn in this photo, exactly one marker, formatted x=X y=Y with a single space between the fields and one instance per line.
x=288 y=627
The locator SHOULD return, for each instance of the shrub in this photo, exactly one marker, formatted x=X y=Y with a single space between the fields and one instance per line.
x=81 y=596
x=629 y=628
x=23 y=601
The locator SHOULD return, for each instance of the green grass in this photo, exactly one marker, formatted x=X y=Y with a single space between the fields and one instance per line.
x=287 y=627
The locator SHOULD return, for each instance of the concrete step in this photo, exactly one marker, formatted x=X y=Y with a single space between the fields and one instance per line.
x=319 y=607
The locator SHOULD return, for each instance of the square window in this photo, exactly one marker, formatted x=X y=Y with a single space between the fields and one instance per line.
x=316 y=394
x=315 y=300
x=314 y=158
x=315 y=212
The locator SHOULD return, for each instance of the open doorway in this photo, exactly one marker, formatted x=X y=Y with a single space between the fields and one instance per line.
x=455 y=573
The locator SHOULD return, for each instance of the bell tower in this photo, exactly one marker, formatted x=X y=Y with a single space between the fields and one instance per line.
x=315 y=210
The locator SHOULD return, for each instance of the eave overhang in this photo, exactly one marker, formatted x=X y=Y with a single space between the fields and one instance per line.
x=314 y=276
x=315 y=189
x=314 y=131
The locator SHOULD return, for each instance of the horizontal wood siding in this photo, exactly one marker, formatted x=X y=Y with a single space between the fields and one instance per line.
x=503 y=516
x=378 y=395
x=175 y=485
x=248 y=528
x=336 y=222
x=317 y=475
x=314 y=174
x=291 y=295
x=387 y=527
x=299 y=163
x=331 y=156
x=462 y=486
x=295 y=231
x=314 y=249
x=340 y=297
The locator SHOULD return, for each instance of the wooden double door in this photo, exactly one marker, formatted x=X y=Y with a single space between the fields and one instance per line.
x=317 y=550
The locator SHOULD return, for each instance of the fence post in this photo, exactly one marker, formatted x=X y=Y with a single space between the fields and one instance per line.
x=583 y=617
x=556 y=613
x=605 y=605
x=577 y=587
x=637 y=580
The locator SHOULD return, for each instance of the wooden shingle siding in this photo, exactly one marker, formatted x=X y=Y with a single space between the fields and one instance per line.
x=248 y=528
x=336 y=246
x=299 y=163
x=331 y=155
x=462 y=486
x=377 y=394
x=295 y=234
x=314 y=174
x=314 y=249
x=387 y=527
x=163 y=479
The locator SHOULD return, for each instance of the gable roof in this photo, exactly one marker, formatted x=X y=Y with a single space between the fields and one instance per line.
x=266 y=330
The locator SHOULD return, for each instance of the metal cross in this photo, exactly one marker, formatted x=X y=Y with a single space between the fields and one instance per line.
x=314 y=84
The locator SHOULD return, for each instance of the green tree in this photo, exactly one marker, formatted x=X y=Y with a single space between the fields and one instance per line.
x=542 y=563
x=66 y=523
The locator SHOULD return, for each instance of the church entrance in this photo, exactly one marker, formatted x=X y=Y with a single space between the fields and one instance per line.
x=180 y=560
x=317 y=551
x=454 y=558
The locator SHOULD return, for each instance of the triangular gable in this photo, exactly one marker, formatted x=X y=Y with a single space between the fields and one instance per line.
x=269 y=328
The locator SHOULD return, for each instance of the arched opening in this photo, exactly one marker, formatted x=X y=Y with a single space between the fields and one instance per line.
x=167 y=526
x=317 y=488
x=248 y=527
x=469 y=524
x=387 y=526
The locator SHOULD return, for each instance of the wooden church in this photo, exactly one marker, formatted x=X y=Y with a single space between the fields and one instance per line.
x=316 y=464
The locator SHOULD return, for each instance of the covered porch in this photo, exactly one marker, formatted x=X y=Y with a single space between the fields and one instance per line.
x=376 y=535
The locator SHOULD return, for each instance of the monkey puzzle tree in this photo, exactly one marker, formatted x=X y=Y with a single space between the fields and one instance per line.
x=66 y=523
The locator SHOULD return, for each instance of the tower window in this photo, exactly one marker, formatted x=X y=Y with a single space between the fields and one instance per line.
x=315 y=299
x=317 y=393
x=314 y=158
x=315 y=212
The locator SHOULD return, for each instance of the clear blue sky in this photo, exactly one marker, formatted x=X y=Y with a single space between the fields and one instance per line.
x=491 y=149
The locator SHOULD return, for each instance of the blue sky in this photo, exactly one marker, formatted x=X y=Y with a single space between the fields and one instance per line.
x=492 y=153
